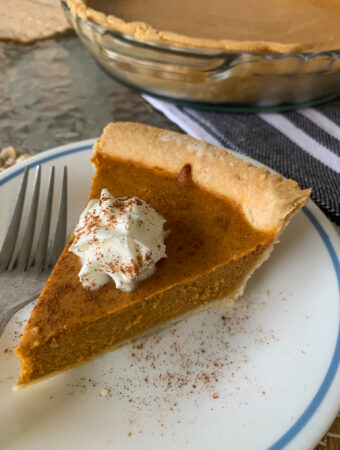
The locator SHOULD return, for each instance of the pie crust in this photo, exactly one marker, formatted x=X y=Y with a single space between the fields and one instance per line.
x=267 y=200
x=27 y=21
x=317 y=31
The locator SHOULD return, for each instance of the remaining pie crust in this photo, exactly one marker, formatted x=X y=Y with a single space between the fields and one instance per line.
x=270 y=26
x=223 y=216
x=26 y=21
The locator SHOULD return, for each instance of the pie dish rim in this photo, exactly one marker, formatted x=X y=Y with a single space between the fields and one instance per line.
x=143 y=33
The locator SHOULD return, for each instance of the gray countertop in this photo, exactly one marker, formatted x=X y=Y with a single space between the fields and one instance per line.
x=53 y=93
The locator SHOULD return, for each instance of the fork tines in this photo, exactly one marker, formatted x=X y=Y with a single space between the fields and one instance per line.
x=25 y=259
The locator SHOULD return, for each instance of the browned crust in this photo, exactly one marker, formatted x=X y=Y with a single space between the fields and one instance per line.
x=267 y=200
x=145 y=32
x=27 y=21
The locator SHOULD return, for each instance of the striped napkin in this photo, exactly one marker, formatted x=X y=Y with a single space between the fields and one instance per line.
x=303 y=145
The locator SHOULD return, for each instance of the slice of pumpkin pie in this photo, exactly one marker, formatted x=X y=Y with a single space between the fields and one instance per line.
x=171 y=225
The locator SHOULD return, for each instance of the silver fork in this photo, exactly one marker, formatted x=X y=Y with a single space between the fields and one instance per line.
x=23 y=276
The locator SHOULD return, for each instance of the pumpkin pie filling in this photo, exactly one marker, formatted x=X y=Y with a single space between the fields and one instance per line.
x=204 y=232
x=211 y=249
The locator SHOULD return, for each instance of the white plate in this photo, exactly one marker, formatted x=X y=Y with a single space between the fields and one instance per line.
x=262 y=374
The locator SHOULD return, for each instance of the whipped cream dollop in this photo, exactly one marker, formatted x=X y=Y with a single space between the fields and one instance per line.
x=119 y=239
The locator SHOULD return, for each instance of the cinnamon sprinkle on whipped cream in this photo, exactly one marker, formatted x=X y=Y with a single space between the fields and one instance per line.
x=119 y=239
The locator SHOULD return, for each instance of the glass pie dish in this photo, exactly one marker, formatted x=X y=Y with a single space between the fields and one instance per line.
x=231 y=81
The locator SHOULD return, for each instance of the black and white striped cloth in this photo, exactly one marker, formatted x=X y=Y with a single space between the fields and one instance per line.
x=303 y=145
